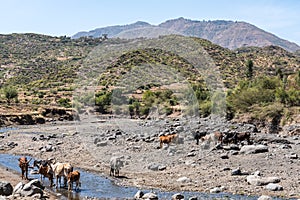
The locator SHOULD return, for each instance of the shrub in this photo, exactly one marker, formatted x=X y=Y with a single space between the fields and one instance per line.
x=65 y=102
x=10 y=93
x=103 y=101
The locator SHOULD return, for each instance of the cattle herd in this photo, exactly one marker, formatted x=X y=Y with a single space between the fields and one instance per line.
x=52 y=169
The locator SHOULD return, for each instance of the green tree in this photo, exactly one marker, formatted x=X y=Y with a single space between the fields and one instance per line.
x=103 y=102
x=249 y=69
x=10 y=93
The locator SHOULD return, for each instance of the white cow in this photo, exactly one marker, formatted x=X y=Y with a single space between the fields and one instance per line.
x=115 y=165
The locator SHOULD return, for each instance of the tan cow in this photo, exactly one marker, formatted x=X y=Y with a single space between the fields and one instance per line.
x=61 y=170
x=216 y=137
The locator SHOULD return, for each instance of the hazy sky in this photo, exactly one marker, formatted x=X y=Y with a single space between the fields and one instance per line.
x=67 y=17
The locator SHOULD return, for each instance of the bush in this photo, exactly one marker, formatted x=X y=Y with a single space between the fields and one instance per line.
x=103 y=102
x=65 y=102
x=205 y=108
x=10 y=93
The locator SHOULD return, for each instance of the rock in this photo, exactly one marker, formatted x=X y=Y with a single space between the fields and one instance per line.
x=274 y=187
x=162 y=167
x=293 y=156
x=257 y=173
x=285 y=146
x=234 y=147
x=252 y=149
x=177 y=196
x=111 y=138
x=102 y=144
x=179 y=129
x=226 y=169
x=139 y=194
x=216 y=190
x=150 y=196
x=33 y=188
x=6 y=188
x=153 y=167
x=264 y=197
x=258 y=181
x=233 y=152
x=18 y=188
x=34 y=182
x=224 y=156
x=236 y=172
x=184 y=179
x=191 y=154
x=33 y=191
x=49 y=148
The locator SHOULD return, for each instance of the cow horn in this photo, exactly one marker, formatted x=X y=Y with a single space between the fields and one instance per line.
x=29 y=160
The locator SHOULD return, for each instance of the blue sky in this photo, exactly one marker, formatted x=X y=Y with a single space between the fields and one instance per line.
x=67 y=17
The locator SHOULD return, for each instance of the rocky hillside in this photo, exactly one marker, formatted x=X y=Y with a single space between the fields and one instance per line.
x=43 y=70
x=227 y=34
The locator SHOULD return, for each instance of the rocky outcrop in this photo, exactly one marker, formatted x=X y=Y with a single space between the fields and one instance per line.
x=33 y=188
x=40 y=117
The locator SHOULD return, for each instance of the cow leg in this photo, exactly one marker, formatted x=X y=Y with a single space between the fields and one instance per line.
x=23 y=172
x=26 y=174
x=56 y=182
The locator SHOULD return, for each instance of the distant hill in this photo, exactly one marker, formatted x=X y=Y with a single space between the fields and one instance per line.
x=47 y=70
x=227 y=34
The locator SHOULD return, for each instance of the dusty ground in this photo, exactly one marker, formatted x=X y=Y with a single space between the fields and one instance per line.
x=75 y=143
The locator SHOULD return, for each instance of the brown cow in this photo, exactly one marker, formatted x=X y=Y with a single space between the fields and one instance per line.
x=24 y=164
x=166 y=139
x=46 y=171
x=238 y=137
x=74 y=177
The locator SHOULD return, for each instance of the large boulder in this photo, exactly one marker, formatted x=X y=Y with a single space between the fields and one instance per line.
x=6 y=188
x=258 y=180
x=264 y=197
x=33 y=188
x=274 y=187
x=150 y=196
x=252 y=149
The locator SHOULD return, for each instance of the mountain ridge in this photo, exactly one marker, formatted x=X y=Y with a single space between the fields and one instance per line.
x=226 y=33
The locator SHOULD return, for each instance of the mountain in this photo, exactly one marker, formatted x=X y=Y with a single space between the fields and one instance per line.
x=227 y=34
x=111 y=30
x=49 y=71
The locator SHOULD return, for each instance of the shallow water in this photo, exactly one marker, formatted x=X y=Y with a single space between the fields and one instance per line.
x=94 y=185
x=5 y=129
